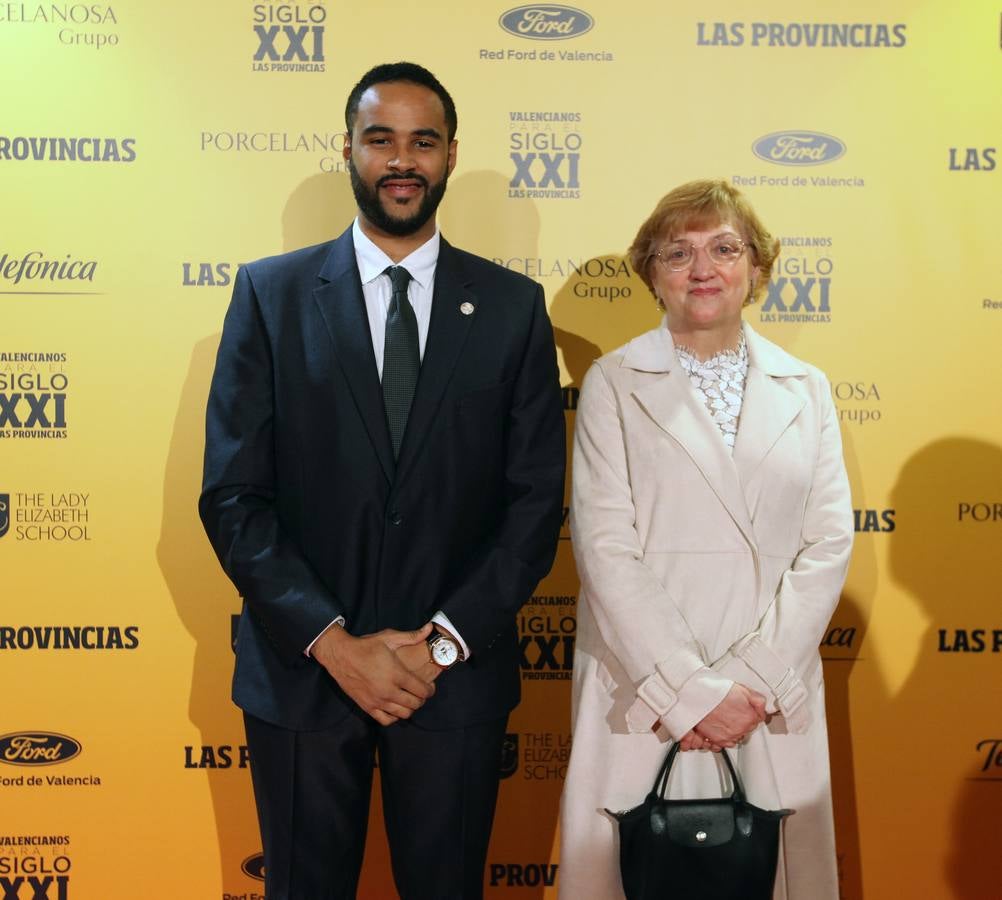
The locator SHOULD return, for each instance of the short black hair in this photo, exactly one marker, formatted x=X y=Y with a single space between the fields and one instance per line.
x=400 y=71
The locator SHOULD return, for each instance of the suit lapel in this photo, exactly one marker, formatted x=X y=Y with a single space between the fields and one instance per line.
x=342 y=306
x=675 y=408
x=447 y=333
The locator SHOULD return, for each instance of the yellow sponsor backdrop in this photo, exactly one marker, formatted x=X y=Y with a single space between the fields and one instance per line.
x=892 y=286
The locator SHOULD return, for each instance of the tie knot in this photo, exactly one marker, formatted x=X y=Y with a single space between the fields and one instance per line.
x=399 y=278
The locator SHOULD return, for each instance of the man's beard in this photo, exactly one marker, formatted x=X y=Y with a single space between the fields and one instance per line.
x=368 y=202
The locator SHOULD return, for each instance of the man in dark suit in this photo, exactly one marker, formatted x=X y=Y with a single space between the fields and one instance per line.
x=383 y=483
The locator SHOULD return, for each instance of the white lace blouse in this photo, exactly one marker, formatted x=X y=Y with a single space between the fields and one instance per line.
x=720 y=381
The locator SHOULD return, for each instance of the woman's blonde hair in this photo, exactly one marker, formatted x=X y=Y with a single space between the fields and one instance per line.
x=704 y=204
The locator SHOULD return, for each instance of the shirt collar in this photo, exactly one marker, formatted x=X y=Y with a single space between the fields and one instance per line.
x=372 y=261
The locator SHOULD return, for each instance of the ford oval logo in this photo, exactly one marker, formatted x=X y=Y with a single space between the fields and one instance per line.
x=254 y=866
x=546 y=22
x=37 y=748
x=798 y=148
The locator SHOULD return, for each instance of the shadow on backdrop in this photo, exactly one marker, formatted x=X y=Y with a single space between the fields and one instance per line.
x=318 y=209
x=205 y=600
x=843 y=648
x=477 y=216
x=945 y=719
x=587 y=323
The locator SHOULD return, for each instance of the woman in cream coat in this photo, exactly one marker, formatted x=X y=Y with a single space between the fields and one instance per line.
x=712 y=526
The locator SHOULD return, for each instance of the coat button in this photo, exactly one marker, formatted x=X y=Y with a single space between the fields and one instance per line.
x=396 y=518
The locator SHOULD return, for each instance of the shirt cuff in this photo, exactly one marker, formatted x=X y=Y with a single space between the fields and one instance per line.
x=338 y=621
x=440 y=618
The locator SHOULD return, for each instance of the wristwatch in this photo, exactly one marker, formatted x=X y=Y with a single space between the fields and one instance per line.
x=445 y=652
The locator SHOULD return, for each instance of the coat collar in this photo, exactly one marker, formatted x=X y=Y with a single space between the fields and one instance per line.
x=654 y=351
x=774 y=397
x=772 y=400
x=342 y=305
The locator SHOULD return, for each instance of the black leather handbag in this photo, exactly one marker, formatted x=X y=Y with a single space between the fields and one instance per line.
x=715 y=849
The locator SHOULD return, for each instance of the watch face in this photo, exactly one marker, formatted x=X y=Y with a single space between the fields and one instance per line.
x=444 y=651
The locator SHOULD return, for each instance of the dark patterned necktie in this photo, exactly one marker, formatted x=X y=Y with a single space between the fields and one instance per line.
x=401 y=357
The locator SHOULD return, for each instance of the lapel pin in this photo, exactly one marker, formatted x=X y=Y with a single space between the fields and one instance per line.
x=466 y=308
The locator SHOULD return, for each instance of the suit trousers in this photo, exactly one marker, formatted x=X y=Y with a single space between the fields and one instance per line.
x=312 y=791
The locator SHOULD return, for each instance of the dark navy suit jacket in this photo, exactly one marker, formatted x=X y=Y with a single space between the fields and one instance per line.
x=312 y=518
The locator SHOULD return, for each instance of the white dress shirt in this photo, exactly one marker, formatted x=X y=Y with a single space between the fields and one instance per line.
x=377 y=291
x=372 y=264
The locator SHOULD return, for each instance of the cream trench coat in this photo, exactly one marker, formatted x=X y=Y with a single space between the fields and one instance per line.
x=699 y=569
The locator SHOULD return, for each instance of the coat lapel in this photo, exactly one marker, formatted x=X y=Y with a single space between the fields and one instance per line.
x=769 y=405
x=675 y=408
x=342 y=306
x=447 y=333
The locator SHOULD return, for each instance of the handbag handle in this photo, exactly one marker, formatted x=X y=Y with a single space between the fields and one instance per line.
x=661 y=782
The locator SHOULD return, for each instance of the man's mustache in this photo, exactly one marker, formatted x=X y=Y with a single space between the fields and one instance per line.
x=404 y=176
